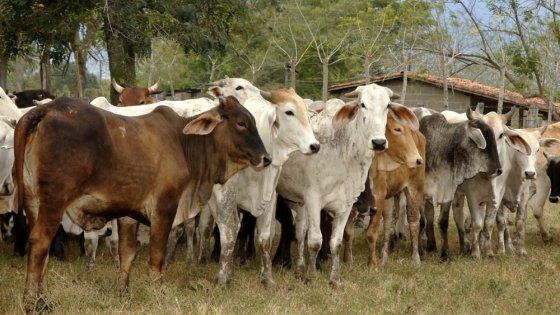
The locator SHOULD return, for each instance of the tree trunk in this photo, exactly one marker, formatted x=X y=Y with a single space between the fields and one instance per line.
x=293 y=74
x=4 y=73
x=367 y=60
x=325 y=78
x=405 y=81
x=212 y=70
x=122 y=59
x=45 y=68
x=502 y=87
x=80 y=58
x=20 y=70
x=445 y=82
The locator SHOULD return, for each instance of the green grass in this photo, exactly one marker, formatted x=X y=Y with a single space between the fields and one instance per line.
x=505 y=285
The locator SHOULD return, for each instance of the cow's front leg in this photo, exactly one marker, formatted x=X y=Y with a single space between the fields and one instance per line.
x=128 y=229
x=301 y=230
x=264 y=226
x=223 y=206
x=314 y=238
x=459 y=217
x=205 y=226
x=91 y=241
x=174 y=236
x=339 y=224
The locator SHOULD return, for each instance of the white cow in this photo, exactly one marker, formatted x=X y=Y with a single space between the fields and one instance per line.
x=8 y=107
x=283 y=125
x=7 y=189
x=484 y=194
x=184 y=108
x=333 y=178
x=238 y=87
x=522 y=184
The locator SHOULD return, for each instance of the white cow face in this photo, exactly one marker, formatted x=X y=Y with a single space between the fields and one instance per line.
x=293 y=120
x=240 y=88
x=371 y=109
x=527 y=163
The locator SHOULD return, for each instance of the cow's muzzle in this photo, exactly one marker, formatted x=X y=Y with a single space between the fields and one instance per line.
x=554 y=199
x=379 y=144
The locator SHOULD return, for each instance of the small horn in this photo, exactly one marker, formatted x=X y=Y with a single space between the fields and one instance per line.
x=117 y=87
x=510 y=114
x=470 y=114
x=351 y=94
x=154 y=87
x=543 y=129
x=546 y=155
x=216 y=83
x=266 y=95
x=395 y=96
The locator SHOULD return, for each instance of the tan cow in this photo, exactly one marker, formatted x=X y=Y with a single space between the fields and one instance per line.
x=390 y=178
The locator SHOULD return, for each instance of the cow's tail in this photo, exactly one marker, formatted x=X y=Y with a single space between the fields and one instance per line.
x=26 y=126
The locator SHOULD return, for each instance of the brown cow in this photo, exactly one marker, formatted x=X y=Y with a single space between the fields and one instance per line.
x=114 y=166
x=389 y=179
x=135 y=95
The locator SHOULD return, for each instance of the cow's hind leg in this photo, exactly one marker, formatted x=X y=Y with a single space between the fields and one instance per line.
x=43 y=231
x=429 y=215
x=205 y=226
x=128 y=229
x=443 y=226
x=160 y=226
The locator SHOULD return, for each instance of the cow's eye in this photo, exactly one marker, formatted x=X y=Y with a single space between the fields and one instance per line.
x=290 y=113
x=485 y=134
x=501 y=136
x=398 y=129
x=141 y=102
x=242 y=124
x=363 y=105
x=239 y=87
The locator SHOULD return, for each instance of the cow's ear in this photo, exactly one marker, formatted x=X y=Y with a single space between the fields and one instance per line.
x=203 y=125
x=345 y=115
x=476 y=135
x=274 y=127
x=548 y=142
x=385 y=163
x=404 y=116
x=516 y=141
x=214 y=91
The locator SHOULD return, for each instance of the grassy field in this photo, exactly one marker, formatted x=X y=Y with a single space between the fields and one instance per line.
x=505 y=285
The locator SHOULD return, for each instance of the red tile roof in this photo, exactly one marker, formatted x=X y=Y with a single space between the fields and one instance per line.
x=457 y=84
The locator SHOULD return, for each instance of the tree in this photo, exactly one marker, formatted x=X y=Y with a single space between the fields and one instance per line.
x=327 y=37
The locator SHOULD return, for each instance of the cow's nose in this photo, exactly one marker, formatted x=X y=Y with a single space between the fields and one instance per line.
x=372 y=211
x=267 y=160
x=315 y=147
x=378 y=144
x=109 y=232
x=499 y=171
x=554 y=199
x=419 y=162
x=529 y=174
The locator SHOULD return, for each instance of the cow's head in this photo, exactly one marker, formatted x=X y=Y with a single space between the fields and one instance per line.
x=234 y=133
x=238 y=87
x=291 y=122
x=370 y=109
x=135 y=95
x=482 y=146
x=403 y=147
x=553 y=172
x=525 y=160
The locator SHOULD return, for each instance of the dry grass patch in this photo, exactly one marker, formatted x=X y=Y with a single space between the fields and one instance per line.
x=505 y=285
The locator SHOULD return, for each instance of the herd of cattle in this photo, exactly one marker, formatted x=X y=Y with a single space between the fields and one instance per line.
x=174 y=164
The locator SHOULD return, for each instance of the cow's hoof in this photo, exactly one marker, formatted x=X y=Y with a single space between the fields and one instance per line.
x=37 y=305
x=335 y=284
x=270 y=285
x=300 y=272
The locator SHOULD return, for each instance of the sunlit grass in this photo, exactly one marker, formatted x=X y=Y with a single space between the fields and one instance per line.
x=505 y=285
